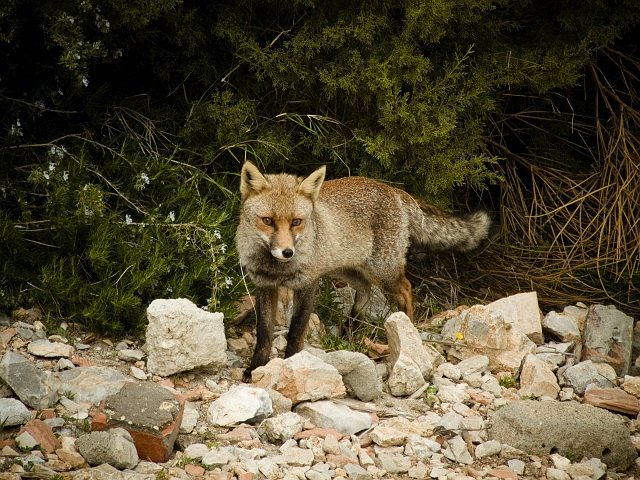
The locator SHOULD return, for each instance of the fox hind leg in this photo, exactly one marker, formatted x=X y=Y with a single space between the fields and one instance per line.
x=400 y=288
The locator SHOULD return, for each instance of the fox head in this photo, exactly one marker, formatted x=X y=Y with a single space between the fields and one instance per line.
x=278 y=208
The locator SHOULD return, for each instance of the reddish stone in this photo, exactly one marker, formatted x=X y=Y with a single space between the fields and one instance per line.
x=237 y=435
x=6 y=336
x=47 y=414
x=41 y=433
x=199 y=393
x=503 y=473
x=317 y=432
x=194 y=470
x=245 y=476
x=7 y=443
x=167 y=382
x=83 y=362
x=612 y=399
x=479 y=398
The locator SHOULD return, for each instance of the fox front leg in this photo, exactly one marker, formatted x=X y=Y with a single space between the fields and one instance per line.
x=302 y=309
x=266 y=305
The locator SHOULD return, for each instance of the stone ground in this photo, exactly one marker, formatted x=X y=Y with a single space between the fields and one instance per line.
x=441 y=431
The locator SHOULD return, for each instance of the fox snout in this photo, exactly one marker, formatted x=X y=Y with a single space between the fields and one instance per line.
x=282 y=255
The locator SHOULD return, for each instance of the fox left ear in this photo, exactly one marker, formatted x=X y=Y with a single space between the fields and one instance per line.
x=310 y=186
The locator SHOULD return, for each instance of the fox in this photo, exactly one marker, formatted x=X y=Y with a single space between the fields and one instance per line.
x=294 y=230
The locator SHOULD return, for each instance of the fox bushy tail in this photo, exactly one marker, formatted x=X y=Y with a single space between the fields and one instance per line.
x=437 y=230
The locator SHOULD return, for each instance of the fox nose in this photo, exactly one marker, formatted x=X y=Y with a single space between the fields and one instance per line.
x=287 y=253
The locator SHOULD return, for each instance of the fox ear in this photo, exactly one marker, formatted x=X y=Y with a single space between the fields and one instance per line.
x=310 y=186
x=252 y=181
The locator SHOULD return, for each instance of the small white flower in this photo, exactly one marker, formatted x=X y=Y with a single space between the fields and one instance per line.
x=145 y=178
x=40 y=104
x=216 y=234
x=169 y=289
x=128 y=220
x=52 y=167
x=60 y=92
x=46 y=175
x=228 y=281
x=223 y=248
x=172 y=216
x=85 y=81
x=65 y=176
x=18 y=124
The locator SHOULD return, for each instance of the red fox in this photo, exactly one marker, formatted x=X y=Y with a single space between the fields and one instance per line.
x=293 y=230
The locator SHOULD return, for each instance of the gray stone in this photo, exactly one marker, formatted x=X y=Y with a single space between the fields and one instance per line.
x=190 y=418
x=474 y=427
x=473 y=364
x=457 y=451
x=180 y=336
x=240 y=404
x=13 y=412
x=522 y=312
x=26 y=442
x=565 y=427
x=516 y=465
x=326 y=414
x=586 y=373
x=562 y=327
x=608 y=338
x=406 y=377
x=356 y=472
x=34 y=387
x=114 y=447
x=130 y=355
x=91 y=384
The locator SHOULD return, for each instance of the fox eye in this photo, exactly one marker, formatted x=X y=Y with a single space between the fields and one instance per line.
x=296 y=222
x=267 y=220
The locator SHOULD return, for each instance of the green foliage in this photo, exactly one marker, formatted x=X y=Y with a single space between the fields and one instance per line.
x=123 y=125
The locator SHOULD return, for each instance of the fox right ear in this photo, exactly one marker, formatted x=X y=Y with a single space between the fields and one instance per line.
x=252 y=181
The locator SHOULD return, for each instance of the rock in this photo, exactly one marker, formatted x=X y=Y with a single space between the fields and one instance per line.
x=562 y=327
x=387 y=437
x=301 y=377
x=404 y=339
x=281 y=428
x=522 y=312
x=91 y=384
x=536 y=378
x=613 y=399
x=150 y=413
x=13 y=412
x=474 y=364
x=631 y=385
x=130 y=355
x=358 y=372
x=190 y=418
x=556 y=474
x=565 y=427
x=45 y=348
x=487 y=333
x=406 y=377
x=452 y=394
x=326 y=414
x=181 y=336
x=240 y=404
x=457 y=451
x=608 y=338
x=34 y=387
x=474 y=427
x=42 y=434
x=488 y=449
x=586 y=373
x=114 y=447
x=25 y=441
x=356 y=472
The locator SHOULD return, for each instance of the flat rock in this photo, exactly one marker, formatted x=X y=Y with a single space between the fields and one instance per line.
x=562 y=327
x=566 y=427
x=608 y=338
x=91 y=384
x=180 y=336
x=281 y=428
x=406 y=376
x=326 y=414
x=613 y=399
x=47 y=349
